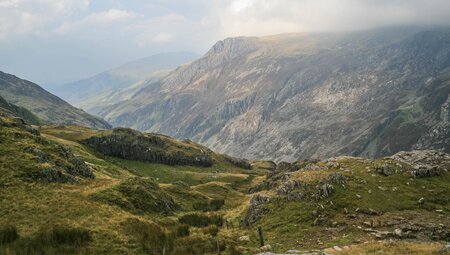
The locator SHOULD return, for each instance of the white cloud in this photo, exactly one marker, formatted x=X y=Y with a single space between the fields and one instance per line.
x=93 y=22
x=35 y=17
x=265 y=17
x=8 y=3
x=123 y=29
x=163 y=37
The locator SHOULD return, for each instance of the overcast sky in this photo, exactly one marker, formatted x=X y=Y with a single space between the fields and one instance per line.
x=57 y=41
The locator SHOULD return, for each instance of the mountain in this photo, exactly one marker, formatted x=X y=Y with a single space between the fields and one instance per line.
x=76 y=190
x=46 y=106
x=119 y=83
x=17 y=111
x=368 y=93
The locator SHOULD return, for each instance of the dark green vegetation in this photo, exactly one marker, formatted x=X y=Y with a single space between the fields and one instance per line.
x=53 y=240
x=47 y=107
x=62 y=196
x=8 y=234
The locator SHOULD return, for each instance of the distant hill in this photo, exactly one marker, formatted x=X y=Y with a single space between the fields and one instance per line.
x=119 y=83
x=46 y=106
x=284 y=97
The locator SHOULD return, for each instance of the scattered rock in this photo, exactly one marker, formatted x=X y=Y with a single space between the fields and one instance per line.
x=325 y=190
x=265 y=248
x=337 y=248
x=295 y=196
x=427 y=171
x=336 y=178
x=244 y=238
x=385 y=169
x=50 y=175
x=421 y=201
x=287 y=187
x=398 y=233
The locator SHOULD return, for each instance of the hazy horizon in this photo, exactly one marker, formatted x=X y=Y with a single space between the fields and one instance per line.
x=55 y=42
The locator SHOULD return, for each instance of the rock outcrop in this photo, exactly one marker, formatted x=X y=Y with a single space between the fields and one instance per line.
x=133 y=145
x=256 y=209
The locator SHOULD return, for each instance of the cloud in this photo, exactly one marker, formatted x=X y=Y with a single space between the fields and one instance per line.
x=35 y=17
x=125 y=29
x=264 y=17
x=92 y=21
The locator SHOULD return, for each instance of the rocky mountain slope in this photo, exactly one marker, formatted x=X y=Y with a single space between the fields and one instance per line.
x=284 y=97
x=46 y=106
x=119 y=83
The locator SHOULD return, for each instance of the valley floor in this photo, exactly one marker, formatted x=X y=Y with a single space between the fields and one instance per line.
x=53 y=203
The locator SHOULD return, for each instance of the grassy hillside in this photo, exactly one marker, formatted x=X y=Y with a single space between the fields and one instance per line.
x=61 y=196
x=119 y=209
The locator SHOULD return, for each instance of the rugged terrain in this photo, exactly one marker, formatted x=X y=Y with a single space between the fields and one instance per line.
x=62 y=193
x=121 y=82
x=370 y=93
x=46 y=106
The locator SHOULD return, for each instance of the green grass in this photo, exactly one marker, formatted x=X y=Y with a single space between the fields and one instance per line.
x=188 y=174
x=291 y=224
x=123 y=210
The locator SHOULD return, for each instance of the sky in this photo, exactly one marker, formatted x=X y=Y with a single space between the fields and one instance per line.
x=57 y=41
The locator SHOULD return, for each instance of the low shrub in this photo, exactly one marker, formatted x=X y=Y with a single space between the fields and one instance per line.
x=8 y=234
x=182 y=230
x=70 y=236
x=52 y=241
x=201 y=220
x=216 y=204
x=152 y=237
x=212 y=230
x=212 y=205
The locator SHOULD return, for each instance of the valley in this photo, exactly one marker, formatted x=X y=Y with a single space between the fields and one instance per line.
x=60 y=194
x=302 y=143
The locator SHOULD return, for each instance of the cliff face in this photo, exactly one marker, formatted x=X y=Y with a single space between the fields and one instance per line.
x=286 y=97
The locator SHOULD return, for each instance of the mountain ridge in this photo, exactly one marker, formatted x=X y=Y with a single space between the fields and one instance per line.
x=106 y=87
x=296 y=91
x=48 y=107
